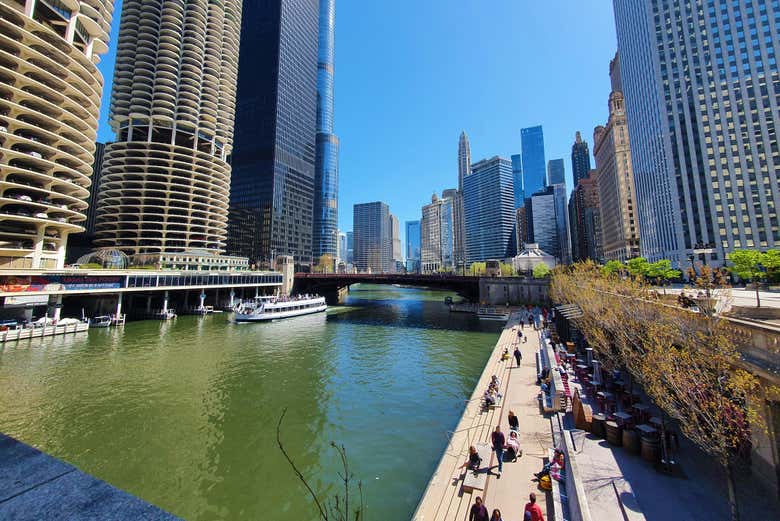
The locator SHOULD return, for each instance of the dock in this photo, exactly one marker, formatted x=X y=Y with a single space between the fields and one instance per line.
x=445 y=498
x=23 y=333
x=35 y=486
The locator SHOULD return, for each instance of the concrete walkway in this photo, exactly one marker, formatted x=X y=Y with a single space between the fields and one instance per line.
x=444 y=499
x=37 y=487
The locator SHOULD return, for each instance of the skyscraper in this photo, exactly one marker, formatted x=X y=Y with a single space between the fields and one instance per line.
x=580 y=159
x=701 y=89
x=585 y=219
x=326 y=162
x=342 y=256
x=350 y=247
x=549 y=221
x=556 y=172
x=517 y=179
x=615 y=180
x=396 y=254
x=489 y=210
x=464 y=159
x=50 y=92
x=272 y=192
x=534 y=165
x=372 y=236
x=436 y=234
x=413 y=246
x=165 y=182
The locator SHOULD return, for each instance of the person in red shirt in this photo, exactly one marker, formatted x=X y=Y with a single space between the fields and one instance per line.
x=534 y=509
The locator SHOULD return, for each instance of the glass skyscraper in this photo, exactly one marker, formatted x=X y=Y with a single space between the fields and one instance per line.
x=556 y=172
x=488 y=201
x=326 y=163
x=272 y=189
x=517 y=180
x=534 y=165
x=580 y=159
x=372 y=235
x=413 y=240
x=700 y=80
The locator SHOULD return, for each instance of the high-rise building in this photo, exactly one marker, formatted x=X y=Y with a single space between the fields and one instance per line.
x=164 y=188
x=395 y=243
x=489 y=210
x=534 y=164
x=615 y=180
x=562 y=222
x=342 y=255
x=437 y=234
x=464 y=159
x=326 y=161
x=549 y=214
x=585 y=219
x=580 y=159
x=556 y=172
x=517 y=180
x=94 y=188
x=372 y=236
x=350 y=247
x=272 y=192
x=413 y=246
x=50 y=92
x=701 y=86
x=521 y=227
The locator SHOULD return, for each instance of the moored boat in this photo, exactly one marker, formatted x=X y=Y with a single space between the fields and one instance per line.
x=274 y=308
x=101 y=321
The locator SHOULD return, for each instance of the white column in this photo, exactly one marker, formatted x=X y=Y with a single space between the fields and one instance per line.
x=57 y=308
x=29 y=7
x=119 y=306
x=165 y=303
x=232 y=298
x=148 y=304
x=202 y=299
x=61 y=250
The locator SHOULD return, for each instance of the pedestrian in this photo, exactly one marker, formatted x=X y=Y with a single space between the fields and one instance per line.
x=518 y=355
x=478 y=511
x=496 y=515
x=499 y=441
x=533 y=509
x=514 y=423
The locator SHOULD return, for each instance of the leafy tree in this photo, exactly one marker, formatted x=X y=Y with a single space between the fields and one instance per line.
x=478 y=269
x=638 y=266
x=746 y=264
x=612 y=267
x=324 y=264
x=541 y=271
x=507 y=270
x=771 y=261
x=662 y=271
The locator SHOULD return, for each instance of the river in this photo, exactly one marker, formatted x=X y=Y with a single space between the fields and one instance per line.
x=183 y=414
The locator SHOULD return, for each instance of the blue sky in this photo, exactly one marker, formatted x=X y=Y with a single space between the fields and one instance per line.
x=411 y=74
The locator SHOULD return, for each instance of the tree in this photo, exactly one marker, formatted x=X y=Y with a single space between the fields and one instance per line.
x=612 y=267
x=662 y=271
x=478 y=269
x=746 y=264
x=324 y=264
x=507 y=270
x=637 y=266
x=771 y=261
x=688 y=363
x=541 y=271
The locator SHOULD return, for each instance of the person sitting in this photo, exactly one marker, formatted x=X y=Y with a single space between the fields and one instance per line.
x=543 y=375
x=474 y=462
x=512 y=447
x=505 y=355
x=557 y=461
x=514 y=423
x=490 y=397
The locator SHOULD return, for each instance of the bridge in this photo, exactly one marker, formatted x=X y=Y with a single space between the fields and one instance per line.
x=498 y=290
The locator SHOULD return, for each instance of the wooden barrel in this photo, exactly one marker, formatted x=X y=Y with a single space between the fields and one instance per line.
x=651 y=449
x=598 y=425
x=614 y=434
x=631 y=441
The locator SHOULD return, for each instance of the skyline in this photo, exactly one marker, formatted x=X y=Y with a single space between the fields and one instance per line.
x=419 y=81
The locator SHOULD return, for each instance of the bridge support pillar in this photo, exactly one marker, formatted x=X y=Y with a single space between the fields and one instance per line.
x=333 y=295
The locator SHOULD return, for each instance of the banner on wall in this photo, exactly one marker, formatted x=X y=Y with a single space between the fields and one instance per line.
x=14 y=284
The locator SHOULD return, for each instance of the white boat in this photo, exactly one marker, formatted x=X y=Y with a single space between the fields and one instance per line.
x=101 y=321
x=273 y=308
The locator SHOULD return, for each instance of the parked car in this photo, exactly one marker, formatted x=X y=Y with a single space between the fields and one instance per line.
x=22 y=197
x=35 y=154
x=41 y=215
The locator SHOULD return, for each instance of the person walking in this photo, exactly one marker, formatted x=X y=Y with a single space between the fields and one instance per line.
x=518 y=355
x=514 y=423
x=496 y=515
x=478 y=511
x=499 y=441
x=534 y=509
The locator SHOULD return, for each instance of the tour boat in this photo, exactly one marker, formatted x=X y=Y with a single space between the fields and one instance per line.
x=101 y=321
x=273 y=308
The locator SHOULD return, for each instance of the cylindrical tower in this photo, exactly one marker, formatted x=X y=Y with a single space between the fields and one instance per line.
x=166 y=179
x=50 y=92
x=326 y=161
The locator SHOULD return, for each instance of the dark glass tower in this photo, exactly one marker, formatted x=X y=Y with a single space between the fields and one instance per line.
x=272 y=189
x=534 y=165
x=580 y=159
x=326 y=164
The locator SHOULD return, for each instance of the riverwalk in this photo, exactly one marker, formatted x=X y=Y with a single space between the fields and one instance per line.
x=445 y=498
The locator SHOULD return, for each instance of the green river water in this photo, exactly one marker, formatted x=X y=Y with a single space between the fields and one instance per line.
x=183 y=414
